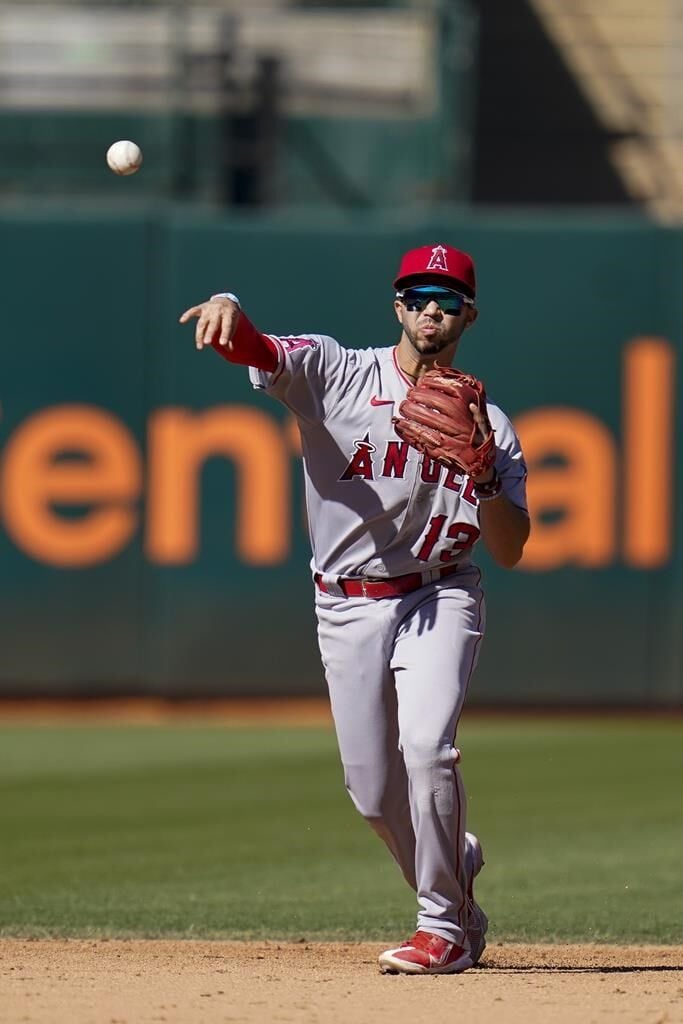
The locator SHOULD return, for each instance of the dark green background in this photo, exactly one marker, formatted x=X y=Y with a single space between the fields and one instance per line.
x=91 y=301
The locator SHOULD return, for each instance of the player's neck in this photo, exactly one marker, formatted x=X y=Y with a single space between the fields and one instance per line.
x=414 y=364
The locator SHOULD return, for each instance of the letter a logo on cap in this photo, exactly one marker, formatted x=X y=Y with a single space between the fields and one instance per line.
x=438 y=260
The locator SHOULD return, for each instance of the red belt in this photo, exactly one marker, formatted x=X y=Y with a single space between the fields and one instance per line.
x=383 y=588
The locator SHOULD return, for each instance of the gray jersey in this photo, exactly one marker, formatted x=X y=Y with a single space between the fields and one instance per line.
x=376 y=507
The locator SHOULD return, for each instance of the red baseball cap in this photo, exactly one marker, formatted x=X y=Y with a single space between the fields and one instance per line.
x=441 y=261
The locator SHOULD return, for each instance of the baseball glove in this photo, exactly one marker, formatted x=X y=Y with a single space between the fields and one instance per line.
x=435 y=417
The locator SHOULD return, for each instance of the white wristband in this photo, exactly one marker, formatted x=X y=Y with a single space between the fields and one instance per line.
x=227 y=295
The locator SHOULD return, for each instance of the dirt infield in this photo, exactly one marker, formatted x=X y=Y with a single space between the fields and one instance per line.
x=135 y=982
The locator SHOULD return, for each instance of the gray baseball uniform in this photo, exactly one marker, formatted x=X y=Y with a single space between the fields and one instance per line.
x=397 y=667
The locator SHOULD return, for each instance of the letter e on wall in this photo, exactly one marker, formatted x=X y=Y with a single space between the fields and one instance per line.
x=71 y=455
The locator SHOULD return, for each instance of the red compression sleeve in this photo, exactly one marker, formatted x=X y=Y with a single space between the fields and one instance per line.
x=249 y=347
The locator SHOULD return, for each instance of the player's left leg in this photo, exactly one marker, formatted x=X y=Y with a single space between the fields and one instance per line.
x=435 y=652
x=477 y=921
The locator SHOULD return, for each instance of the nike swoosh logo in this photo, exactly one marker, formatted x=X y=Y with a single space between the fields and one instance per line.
x=381 y=401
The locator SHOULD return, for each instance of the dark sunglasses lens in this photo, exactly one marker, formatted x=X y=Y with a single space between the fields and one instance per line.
x=417 y=299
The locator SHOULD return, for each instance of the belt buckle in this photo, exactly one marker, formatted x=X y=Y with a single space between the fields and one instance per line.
x=363 y=587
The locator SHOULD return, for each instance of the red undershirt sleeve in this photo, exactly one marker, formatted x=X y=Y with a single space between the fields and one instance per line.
x=249 y=347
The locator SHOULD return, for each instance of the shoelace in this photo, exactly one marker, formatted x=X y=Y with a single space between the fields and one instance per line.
x=420 y=940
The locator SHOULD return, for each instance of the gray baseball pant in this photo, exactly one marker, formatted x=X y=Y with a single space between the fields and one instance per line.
x=398 y=670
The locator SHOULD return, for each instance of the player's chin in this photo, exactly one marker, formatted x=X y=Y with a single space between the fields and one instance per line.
x=431 y=344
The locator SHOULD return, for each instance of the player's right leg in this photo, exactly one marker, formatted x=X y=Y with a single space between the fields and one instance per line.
x=354 y=637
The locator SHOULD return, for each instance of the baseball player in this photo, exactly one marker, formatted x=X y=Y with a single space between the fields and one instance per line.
x=398 y=598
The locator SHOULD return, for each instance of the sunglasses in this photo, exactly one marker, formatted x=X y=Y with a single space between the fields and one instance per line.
x=418 y=298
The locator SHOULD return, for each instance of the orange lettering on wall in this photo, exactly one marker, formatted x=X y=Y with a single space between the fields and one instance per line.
x=648 y=423
x=180 y=441
x=578 y=493
x=104 y=471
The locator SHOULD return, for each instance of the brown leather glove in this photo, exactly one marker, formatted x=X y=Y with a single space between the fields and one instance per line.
x=436 y=419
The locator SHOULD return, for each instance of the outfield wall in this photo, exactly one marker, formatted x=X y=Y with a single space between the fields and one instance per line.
x=151 y=519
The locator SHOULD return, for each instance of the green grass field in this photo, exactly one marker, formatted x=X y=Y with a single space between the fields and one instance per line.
x=211 y=831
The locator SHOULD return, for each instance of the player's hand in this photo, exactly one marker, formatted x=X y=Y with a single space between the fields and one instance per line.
x=216 y=318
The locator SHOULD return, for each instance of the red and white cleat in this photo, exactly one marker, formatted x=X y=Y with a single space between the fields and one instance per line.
x=425 y=953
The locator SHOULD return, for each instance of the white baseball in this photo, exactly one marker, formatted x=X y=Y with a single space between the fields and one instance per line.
x=124 y=157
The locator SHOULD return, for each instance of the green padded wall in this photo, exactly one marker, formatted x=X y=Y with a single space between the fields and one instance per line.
x=108 y=585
